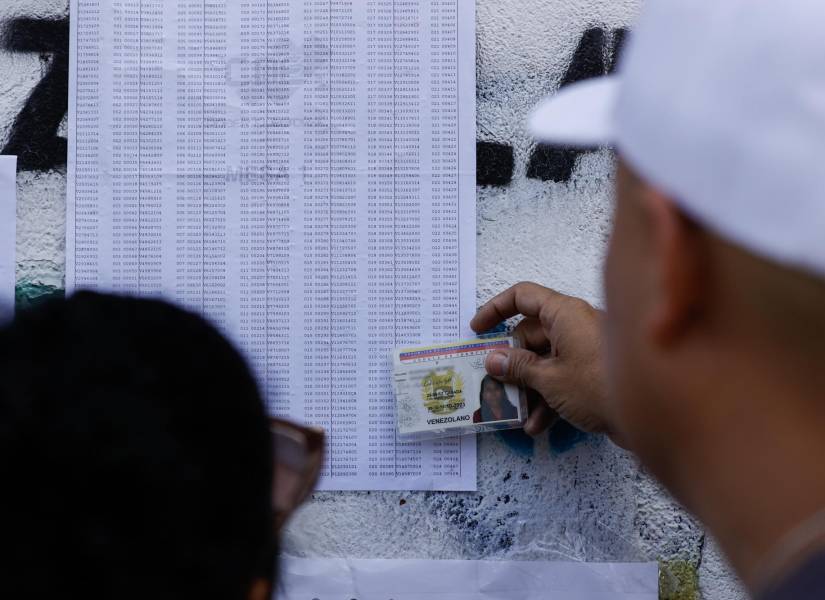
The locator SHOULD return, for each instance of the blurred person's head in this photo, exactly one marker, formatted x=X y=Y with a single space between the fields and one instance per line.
x=495 y=406
x=135 y=456
x=493 y=394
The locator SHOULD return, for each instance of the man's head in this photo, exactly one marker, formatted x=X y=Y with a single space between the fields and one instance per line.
x=135 y=456
x=717 y=262
x=694 y=321
x=715 y=277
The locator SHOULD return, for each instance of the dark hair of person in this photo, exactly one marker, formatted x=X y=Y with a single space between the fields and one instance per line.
x=488 y=380
x=486 y=414
x=135 y=456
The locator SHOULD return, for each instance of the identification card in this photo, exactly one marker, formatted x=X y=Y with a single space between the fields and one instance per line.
x=444 y=390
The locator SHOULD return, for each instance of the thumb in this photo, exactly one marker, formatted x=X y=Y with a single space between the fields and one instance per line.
x=517 y=366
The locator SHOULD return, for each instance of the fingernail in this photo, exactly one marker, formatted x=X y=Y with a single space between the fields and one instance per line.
x=497 y=364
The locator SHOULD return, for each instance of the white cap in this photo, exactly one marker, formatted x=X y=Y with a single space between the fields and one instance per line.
x=721 y=105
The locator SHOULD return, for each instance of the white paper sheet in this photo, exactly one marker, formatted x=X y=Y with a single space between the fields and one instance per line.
x=345 y=579
x=8 y=234
x=303 y=173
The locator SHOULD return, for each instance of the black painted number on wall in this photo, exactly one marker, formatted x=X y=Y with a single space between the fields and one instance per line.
x=595 y=56
x=33 y=137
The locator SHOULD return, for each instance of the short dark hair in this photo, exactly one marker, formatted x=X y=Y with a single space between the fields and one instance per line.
x=135 y=455
x=487 y=380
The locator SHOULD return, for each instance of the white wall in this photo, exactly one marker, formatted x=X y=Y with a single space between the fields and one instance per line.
x=587 y=501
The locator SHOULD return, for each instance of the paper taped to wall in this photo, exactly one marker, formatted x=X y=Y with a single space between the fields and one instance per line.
x=345 y=579
x=8 y=234
x=303 y=174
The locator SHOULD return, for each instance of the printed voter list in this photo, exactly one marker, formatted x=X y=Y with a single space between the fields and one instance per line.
x=302 y=173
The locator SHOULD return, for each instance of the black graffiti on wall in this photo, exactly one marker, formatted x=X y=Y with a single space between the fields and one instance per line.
x=33 y=136
x=34 y=139
x=595 y=56
x=494 y=163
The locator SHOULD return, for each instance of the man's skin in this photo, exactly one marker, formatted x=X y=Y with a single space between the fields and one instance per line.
x=709 y=365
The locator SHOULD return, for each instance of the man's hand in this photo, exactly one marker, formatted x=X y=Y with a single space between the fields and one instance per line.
x=560 y=360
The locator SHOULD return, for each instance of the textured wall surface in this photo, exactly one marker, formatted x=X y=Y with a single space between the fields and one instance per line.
x=543 y=214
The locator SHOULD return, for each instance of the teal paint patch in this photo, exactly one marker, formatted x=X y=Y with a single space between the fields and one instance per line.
x=518 y=441
x=29 y=295
x=564 y=437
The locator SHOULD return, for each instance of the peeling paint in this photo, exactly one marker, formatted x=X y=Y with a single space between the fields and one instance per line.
x=678 y=580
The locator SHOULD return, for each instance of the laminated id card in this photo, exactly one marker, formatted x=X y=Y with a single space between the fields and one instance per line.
x=444 y=390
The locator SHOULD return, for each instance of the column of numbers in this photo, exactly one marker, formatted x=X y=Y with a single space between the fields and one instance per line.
x=408 y=196
x=121 y=111
x=343 y=239
x=87 y=139
x=446 y=454
x=126 y=240
x=214 y=164
x=150 y=150
x=253 y=186
x=382 y=452
x=278 y=236
x=316 y=225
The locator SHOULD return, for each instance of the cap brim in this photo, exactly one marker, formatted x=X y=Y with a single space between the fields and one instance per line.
x=580 y=114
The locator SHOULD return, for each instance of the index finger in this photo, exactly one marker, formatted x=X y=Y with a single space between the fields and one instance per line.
x=522 y=299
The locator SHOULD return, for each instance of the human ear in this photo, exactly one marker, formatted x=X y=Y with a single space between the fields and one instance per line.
x=678 y=262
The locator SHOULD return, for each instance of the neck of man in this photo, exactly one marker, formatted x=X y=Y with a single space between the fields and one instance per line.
x=751 y=467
